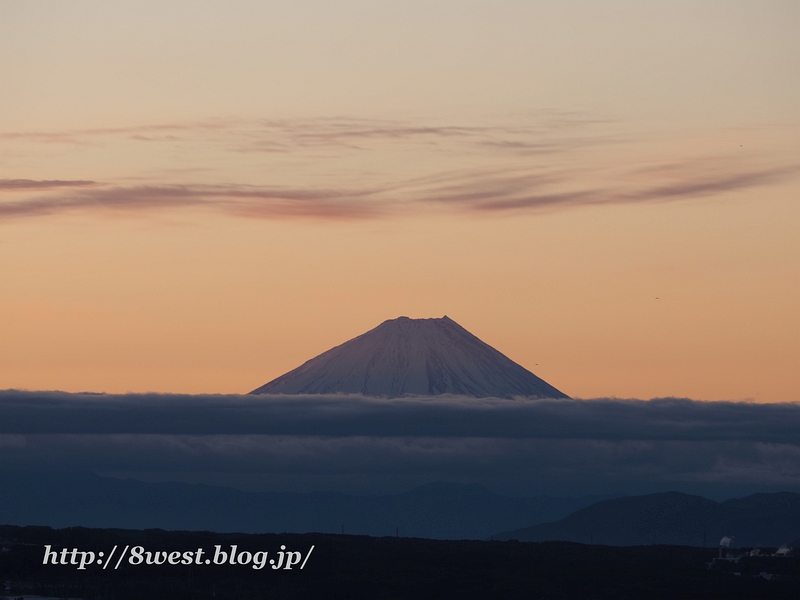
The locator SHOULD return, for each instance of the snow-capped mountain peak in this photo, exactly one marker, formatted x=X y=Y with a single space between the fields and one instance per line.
x=413 y=357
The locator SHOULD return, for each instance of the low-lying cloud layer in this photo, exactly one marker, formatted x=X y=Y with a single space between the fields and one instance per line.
x=437 y=416
x=362 y=444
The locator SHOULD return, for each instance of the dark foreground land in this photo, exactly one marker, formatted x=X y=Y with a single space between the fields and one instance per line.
x=353 y=567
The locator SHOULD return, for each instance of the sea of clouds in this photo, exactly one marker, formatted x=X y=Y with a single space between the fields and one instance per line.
x=368 y=445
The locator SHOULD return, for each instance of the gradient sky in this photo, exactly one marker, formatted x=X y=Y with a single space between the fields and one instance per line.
x=196 y=197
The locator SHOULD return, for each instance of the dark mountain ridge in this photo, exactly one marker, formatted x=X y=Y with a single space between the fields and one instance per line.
x=434 y=510
x=364 y=568
x=675 y=518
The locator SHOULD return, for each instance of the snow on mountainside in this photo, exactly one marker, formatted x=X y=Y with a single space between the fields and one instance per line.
x=413 y=357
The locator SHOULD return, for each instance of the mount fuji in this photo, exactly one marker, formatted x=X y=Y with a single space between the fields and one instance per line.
x=403 y=357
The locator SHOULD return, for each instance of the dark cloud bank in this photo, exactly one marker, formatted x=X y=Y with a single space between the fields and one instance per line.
x=367 y=445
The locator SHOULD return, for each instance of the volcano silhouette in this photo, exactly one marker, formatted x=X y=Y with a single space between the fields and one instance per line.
x=405 y=356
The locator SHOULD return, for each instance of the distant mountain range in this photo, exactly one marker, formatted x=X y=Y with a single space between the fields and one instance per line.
x=413 y=357
x=434 y=510
x=675 y=518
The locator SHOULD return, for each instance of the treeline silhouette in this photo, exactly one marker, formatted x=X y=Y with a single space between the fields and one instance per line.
x=355 y=567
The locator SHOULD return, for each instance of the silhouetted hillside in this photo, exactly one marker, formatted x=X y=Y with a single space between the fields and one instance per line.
x=675 y=518
x=360 y=567
x=436 y=510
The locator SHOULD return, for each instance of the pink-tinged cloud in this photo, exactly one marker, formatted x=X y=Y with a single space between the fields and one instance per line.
x=720 y=183
x=550 y=133
x=473 y=192
x=510 y=192
x=83 y=136
x=242 y=200
x=32 y=184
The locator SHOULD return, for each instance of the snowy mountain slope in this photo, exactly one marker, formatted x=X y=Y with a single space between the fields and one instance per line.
x=413 y=357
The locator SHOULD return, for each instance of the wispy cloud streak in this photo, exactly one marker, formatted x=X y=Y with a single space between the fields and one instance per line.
x=31 y=184
x=256 y=134
x=511 y=197
x=717 y=184
x=484 y=192
x=242 y=200
x=539 y=166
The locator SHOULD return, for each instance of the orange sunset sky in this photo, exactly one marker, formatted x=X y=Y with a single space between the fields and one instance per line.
x=199 y=196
